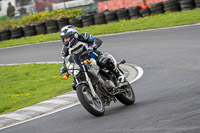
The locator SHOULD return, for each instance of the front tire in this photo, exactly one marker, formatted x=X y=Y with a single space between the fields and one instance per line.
x=93 y=105
x=128 y=96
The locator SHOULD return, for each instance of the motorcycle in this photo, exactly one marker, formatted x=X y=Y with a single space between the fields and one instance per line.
x=96 y=87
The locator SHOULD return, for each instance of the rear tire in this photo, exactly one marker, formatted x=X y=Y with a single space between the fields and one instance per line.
x=127 y=97
x=93 y=105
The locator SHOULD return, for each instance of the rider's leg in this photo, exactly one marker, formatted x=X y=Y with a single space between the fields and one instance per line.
x=96 y=55
x=104 y=61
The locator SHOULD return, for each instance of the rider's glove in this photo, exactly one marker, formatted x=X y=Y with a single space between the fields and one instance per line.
x=63 y=69
x=91 y=49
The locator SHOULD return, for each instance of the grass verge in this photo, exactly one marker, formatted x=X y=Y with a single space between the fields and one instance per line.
x=150 y=22
x=24 y=85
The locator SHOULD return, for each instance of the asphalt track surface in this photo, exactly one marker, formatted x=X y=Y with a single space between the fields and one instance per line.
x=167 y=96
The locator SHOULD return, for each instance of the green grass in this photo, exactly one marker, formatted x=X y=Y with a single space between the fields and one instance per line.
x=24 y=85
x=151 y=22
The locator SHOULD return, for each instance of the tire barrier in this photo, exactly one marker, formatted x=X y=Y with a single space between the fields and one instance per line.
x=62 y=22
x=52 y=26
x=187 y=4
x=76 y=22
x=156 y=8
x=17 y=33
x=197 y=3
x=29 y=30
x=110 y=16
x=122 y=14
x=92 y=12
x=171 y=6
x=99 y=18
x=5 y=35
x=87 y=19
x=134 y=12
x=41 y=28
x=145 y=12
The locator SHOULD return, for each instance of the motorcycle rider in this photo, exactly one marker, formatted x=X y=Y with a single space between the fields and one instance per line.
x=70 y=37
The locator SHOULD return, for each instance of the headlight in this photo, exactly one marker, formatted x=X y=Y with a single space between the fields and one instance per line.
x=74 y=69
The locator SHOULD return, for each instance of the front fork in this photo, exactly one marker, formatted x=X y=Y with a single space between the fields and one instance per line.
x=88 y=81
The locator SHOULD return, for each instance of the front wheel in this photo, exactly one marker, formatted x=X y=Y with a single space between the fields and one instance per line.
x=93 y=105
x=126 y=97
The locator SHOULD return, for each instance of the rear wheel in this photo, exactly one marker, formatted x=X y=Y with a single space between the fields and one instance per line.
x=126 y=97
x=93 y=105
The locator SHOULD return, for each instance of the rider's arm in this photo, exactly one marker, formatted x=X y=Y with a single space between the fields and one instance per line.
x=64 y=53
x=93 y=42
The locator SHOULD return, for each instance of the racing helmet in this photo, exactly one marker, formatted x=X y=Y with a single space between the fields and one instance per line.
x=69 y=35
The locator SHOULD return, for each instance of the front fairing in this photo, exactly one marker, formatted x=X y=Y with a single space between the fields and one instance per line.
x=73 y=65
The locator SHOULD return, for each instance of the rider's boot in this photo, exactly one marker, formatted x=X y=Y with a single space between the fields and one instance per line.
x=106 y=62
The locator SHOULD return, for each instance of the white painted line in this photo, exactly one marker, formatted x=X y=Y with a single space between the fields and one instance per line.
x=56 y=101
x=37 y=117
x=15 y=116
x=139 y=75
x=72 y=95
x=68 y=95
x=65 y=96
x=37 y=108
x=31 y=44
x=165 y=28
x=175 y=27
x=50 y=62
